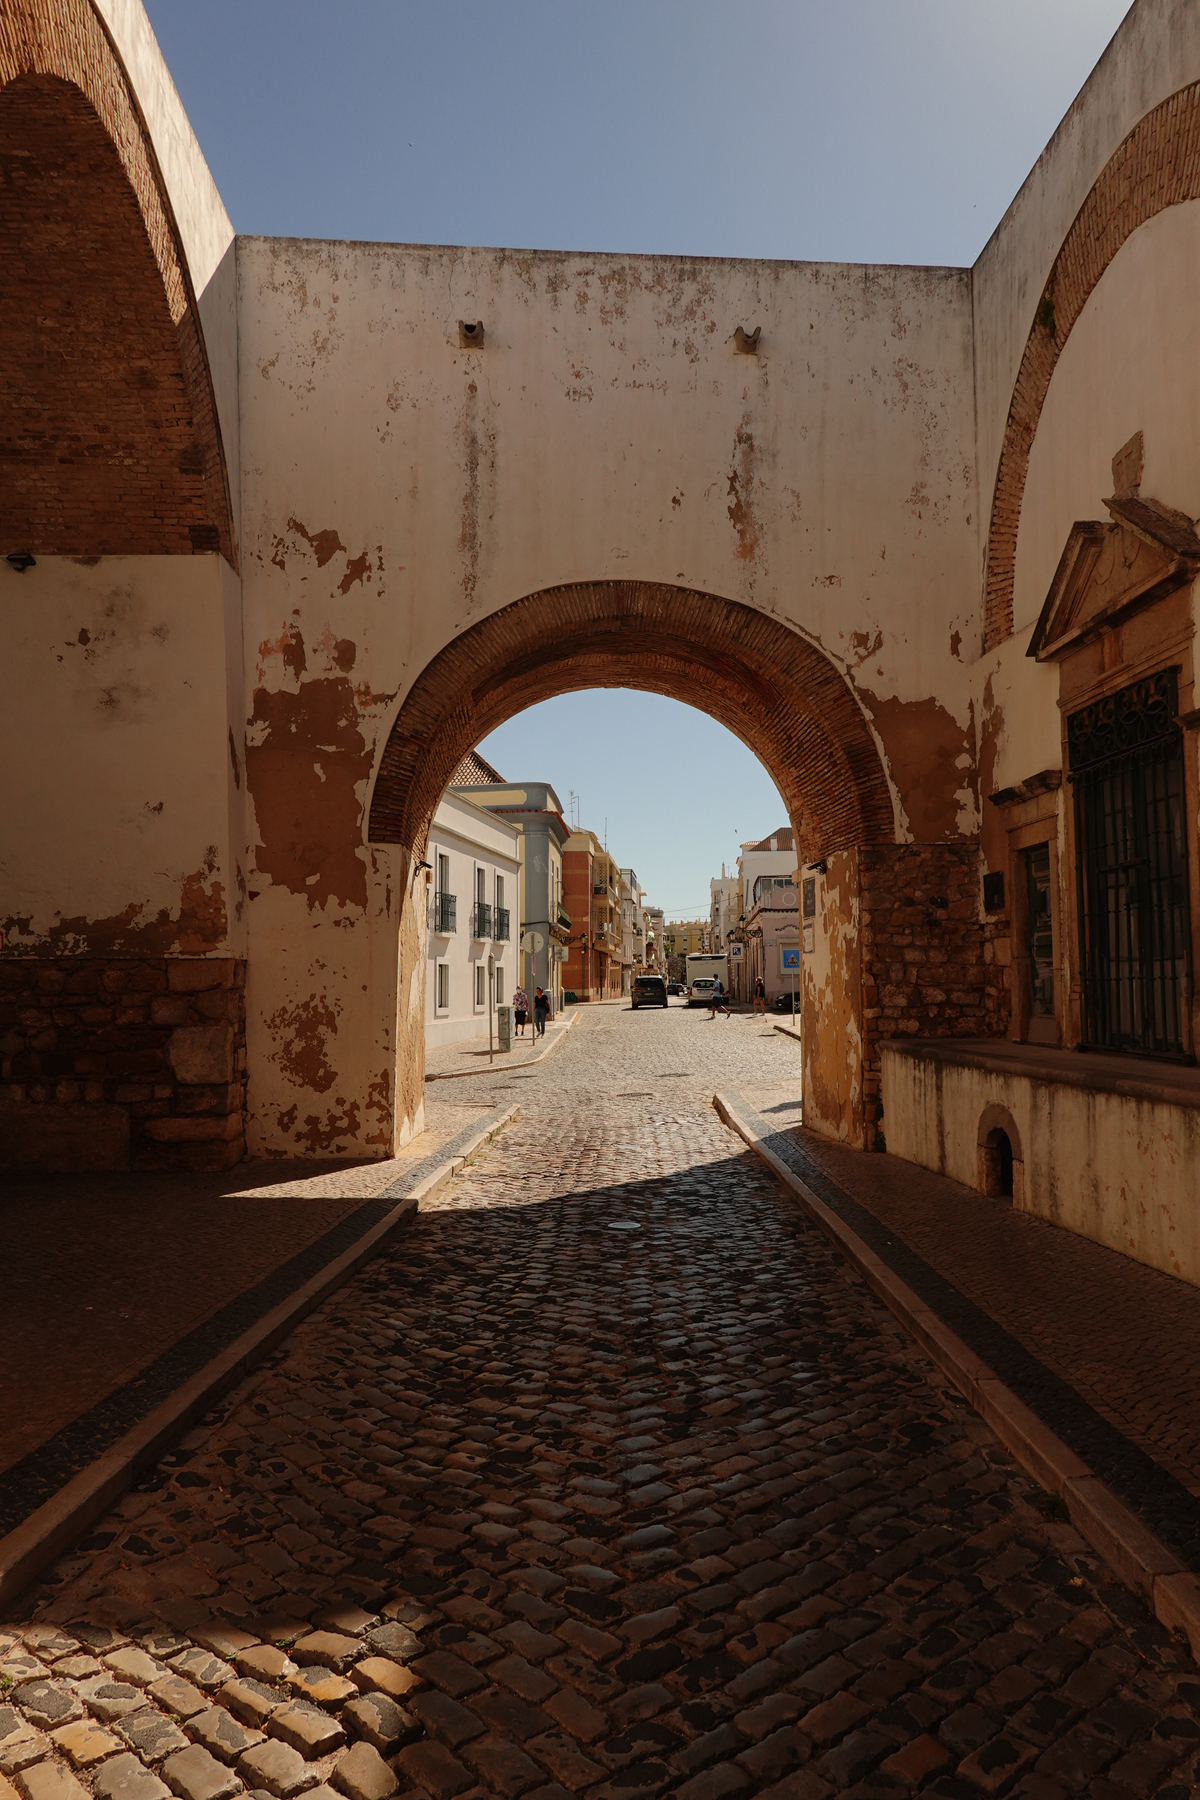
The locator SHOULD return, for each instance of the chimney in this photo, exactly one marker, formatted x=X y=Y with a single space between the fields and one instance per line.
x=774 y=843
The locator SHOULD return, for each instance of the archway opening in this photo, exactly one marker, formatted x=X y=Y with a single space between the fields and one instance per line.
x=768 y=685
x=998 y=1164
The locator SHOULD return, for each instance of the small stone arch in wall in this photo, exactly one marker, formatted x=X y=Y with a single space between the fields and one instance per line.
x=1000 y=1161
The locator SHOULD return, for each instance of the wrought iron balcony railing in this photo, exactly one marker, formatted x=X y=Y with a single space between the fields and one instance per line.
x=444 y=910
x=501 y=932
x=483 y=919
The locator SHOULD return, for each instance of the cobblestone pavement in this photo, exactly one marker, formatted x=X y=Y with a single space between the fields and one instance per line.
x=609 y=1479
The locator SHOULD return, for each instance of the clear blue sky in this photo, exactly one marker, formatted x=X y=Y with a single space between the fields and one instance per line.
x=843 y=130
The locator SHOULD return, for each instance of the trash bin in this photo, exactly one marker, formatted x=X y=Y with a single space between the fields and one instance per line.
x=504 y=1028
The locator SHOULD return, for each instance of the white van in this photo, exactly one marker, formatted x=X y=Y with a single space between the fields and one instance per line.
x=702 y=973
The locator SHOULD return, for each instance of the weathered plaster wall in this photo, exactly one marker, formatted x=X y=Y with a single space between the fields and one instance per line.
x=1132 y=363
x=121 y=818
x=1110 y=1166
x=831 y=1005
x=398 y=487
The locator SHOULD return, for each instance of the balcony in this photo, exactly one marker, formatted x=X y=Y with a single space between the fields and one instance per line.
x=564 y=917
x=501 y=932
x=481 y=923
x=444 y=911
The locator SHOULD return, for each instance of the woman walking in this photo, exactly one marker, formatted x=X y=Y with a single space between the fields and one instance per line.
x=541 y=1011
x=520 y=1005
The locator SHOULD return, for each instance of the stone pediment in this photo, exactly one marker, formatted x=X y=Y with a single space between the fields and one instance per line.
x=1108 y=571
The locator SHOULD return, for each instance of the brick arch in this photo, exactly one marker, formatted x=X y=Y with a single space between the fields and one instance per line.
x=109 y=442
x=1157 y=165
x=767 y=684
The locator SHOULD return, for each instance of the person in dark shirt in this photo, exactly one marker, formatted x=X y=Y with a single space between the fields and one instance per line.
x=541 y=1011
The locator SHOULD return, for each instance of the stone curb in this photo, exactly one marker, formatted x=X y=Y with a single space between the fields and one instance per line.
x=786 y=1031
x=46 y=1533
x=1136 y=1555
x=507 y=1068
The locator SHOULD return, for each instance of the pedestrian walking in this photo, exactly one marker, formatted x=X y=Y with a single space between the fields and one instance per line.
x=760 y=995
x=718 y=1000
x=520 y=1005
x=541 y=1011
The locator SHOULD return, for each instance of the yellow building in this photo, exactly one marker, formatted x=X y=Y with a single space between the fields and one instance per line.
x=686 y=937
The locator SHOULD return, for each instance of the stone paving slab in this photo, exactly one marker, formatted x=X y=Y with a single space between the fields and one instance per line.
x=1105 y=1351
x=638 y=1489
x=165 y=1288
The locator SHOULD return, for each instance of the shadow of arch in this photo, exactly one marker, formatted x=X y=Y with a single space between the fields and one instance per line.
x=768 y=685
x=1157 y=165
x=110 y=443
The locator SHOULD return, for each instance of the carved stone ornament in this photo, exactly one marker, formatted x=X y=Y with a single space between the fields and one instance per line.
x=1107 y=572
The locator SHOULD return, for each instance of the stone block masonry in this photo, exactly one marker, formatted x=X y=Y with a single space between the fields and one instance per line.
x=122 y=1063
x=929 y=965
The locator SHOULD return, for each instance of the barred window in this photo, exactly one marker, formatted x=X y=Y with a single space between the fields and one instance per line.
x=1125 y=761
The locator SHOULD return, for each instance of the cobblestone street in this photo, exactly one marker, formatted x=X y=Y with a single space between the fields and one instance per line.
x=609 y=1478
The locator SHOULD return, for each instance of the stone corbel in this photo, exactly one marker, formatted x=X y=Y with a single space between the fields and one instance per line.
x=1044 y=782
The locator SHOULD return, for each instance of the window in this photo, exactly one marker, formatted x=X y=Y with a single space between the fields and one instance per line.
x=481 y=886
x=443 y=987
x=480 y=985
x=499 y=890
x=499 y=987
x=443 y=899
x=1125 y=759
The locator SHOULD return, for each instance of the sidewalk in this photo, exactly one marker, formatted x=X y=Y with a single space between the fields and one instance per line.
x=470 y=1057
x=1105 y=1351
x=118 y=1288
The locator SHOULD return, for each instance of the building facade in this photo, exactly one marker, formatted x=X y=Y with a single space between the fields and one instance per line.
x=633 y=928
x=725 y=909
x=534 y=811
x=771 y=939
x=472 y=892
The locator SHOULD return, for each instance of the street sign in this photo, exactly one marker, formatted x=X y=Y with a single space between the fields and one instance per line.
x=533 y=940
x=735 y=952
x=789 y=956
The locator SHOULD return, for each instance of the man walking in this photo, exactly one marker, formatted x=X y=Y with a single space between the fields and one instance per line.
x=541 y=1011
x=718 y=1000
x=760 y=995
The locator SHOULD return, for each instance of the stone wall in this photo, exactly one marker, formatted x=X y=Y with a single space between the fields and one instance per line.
x=930 y=966
x=122 y=1063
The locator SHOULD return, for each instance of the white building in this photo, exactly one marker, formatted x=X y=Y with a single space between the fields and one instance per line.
x=474 y=914
x=633 y=928
x=725 y=908
x=767 y=865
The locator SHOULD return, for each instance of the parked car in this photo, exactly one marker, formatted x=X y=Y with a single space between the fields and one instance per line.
x=783 y=1002
x=648 y=990
x=676 y=987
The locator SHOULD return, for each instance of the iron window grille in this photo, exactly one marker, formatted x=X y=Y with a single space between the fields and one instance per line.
x=483 y=919
x=1125 y=763
x=445 y=907
x=501 y=932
